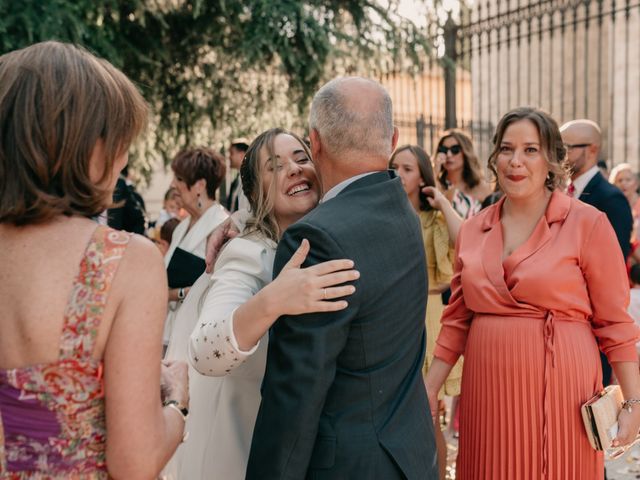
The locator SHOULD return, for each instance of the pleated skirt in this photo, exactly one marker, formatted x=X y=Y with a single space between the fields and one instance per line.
x=503 y=432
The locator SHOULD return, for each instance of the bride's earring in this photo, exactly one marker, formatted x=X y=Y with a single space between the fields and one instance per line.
x=199 y=203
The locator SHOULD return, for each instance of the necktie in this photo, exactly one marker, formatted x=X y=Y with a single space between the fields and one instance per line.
x=571 y=190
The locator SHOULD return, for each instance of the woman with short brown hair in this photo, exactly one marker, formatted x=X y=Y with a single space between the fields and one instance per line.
x=197 y=174
x=82 y=303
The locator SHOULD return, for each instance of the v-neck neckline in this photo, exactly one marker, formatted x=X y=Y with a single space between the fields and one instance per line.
x=498 y=271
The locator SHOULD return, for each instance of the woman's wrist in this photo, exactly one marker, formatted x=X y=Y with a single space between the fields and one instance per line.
x=179 y=411
x=271 y=308
x=631 y=404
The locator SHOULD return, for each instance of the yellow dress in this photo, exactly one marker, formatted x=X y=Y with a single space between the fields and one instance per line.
x=440 y=256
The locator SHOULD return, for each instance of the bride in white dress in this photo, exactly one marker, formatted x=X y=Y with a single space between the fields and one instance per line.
x=231 y=311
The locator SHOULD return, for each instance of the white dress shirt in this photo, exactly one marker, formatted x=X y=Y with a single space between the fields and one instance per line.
x=335 y=190
x=581 y=182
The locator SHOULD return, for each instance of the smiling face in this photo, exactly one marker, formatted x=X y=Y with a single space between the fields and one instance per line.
x=406 y=165
x=291 y=178
x=521 y=165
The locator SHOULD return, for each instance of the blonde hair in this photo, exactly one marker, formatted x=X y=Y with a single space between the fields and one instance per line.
x=262 y=201
x=621 y=167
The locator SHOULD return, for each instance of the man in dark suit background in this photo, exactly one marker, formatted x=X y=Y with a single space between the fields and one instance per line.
x=237 y=150
x=343 y=396
x=129 y=213
x=583 y=140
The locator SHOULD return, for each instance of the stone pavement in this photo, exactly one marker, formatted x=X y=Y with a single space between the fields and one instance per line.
x=625 y=468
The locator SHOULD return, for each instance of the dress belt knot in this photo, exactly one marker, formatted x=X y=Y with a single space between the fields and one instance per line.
x=548 y=331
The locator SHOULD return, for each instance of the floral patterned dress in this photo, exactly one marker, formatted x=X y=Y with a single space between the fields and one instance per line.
x=52 y=416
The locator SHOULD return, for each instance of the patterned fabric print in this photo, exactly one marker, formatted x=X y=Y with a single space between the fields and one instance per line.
x=465 y=205
x=70 y=391
x=3 y=456
x=89 y=294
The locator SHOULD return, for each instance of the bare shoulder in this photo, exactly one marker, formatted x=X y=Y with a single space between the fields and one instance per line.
x=142 y=266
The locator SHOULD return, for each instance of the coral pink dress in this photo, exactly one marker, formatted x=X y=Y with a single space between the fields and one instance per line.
x=529 y=327
x=52 y=419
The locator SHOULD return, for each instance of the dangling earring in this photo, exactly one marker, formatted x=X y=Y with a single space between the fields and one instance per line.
x=199 y=203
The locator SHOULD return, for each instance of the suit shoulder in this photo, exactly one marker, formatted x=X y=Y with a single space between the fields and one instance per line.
x=610 y=190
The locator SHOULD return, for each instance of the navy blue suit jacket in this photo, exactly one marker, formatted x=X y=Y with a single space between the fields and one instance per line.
x=609 y=199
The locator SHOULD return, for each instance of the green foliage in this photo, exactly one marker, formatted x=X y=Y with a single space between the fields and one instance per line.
x=212 y=69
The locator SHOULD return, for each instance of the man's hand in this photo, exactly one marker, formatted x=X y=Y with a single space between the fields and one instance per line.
x=221 y=235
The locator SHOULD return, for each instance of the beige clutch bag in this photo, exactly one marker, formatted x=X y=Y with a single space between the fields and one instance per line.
x=600 y=416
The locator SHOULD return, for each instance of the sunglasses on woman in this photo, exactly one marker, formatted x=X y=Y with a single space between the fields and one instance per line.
x=454 y=149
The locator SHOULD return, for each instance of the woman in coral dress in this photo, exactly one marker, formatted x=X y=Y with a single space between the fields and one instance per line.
x=539 y=281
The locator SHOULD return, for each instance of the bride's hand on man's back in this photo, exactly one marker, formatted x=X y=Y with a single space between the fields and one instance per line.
x=298 y=290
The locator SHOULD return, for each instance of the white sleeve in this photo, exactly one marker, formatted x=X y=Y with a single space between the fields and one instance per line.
x=240 y=218
x=244 y=267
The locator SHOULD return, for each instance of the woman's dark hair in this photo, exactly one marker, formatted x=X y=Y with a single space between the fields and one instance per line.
x=167 y=228
x=262 y=201
x=57 y=101
x=471 y=169
x=193 y=164
x=424 y=166
x=551 y=143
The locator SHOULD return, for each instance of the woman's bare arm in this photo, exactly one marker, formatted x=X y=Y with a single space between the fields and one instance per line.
x=141 y=434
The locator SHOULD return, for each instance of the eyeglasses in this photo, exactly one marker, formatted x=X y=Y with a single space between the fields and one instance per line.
x=576 y=145
x=454 y=149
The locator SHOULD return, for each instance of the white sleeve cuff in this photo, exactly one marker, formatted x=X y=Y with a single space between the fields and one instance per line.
x=234 y=342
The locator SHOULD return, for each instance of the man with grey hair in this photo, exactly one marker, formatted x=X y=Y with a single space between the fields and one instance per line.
x=343 y=396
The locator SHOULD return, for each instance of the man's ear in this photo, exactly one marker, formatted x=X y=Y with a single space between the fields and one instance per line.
x=394 y=139
x=314 y=139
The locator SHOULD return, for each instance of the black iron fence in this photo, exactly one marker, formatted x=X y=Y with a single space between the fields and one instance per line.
x=574 y=58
